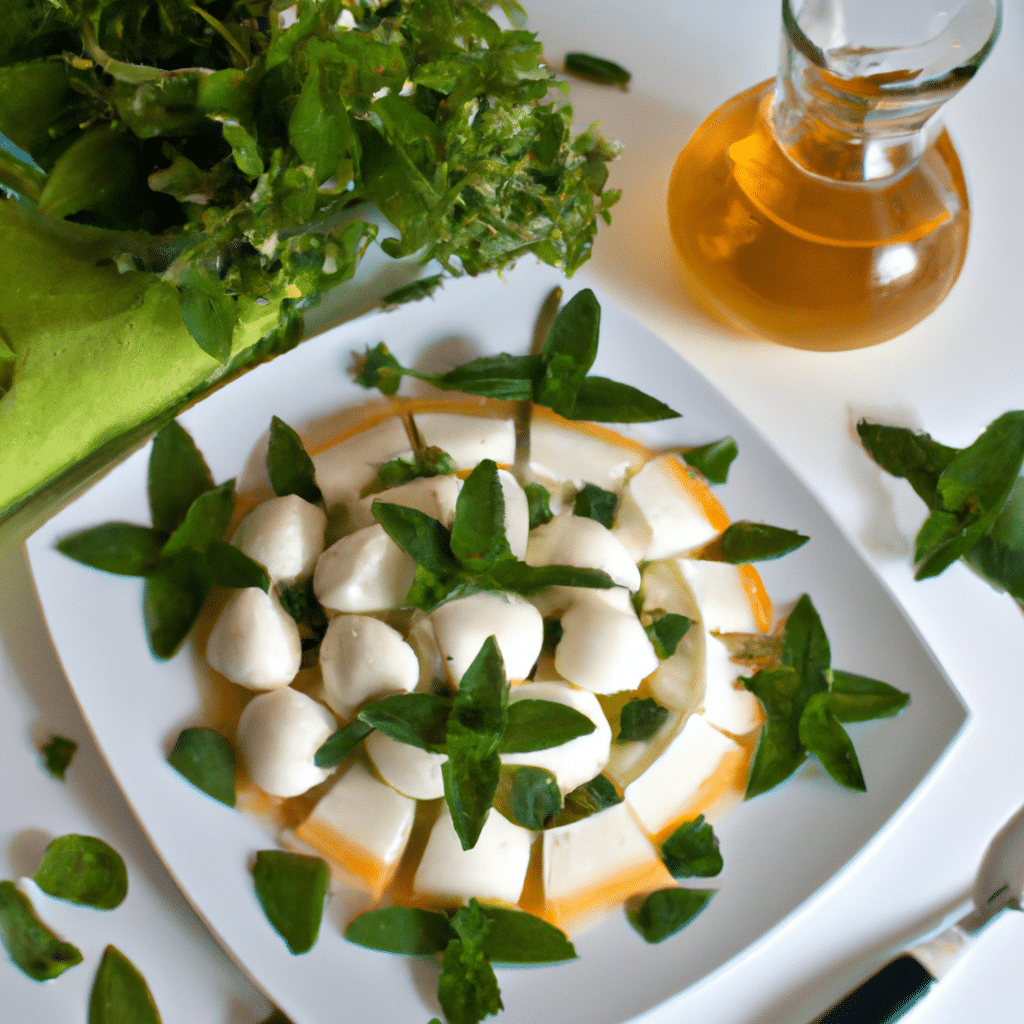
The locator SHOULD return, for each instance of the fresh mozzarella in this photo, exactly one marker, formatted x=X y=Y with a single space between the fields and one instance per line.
x=434 y=496
x=468 y=439
x=461 y=627
x=255 y=642
x=727 y=703
x=584 y=543
x=517 y=513
x=346 y=467
x=596 y=863
x=362 y=658
x=604 y=648
x=494 y=869
x=361 y=827
x=411 y=770
x=628 y=760
x=592 y=458
x=363 y=572
x=697 y=769
x=578 y=760
x=285 y=535
x=424 y=644
x=278 y=735
x=720 y=594
x=657 y=516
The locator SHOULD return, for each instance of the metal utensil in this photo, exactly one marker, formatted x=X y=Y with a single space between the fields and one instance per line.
x=892 y=990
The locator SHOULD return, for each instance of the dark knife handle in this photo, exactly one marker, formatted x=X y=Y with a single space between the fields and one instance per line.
x=885 y=996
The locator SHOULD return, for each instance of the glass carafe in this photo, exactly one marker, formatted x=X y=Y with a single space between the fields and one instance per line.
x=826 y=209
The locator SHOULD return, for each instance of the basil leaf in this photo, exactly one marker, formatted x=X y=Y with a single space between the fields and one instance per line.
x=665 y=631
x=120 y=994
x=666 y=911
x=591 y=797
x=57 y=753
x=290 y=468
x=301 y=604
x=593 y=502
x=419 y=719
x=207 y=311
x=527 y=796
x=1000 y=564
x=319 y=128
x=713 y=460
x=421 y=288
x=206 y=521
x=640 y=720
x=692 y=851
x=178 y=474
x=232 y=568
x=525 y=579
x=291 y=888
x=478 y=530
x=743 y=542
x=467 y=988
x=856 y=698
x=574 y=335
x=553 y=633
x=121 y=548
x=540 y=725
x=516 y=937
x=503 y=376
x=408 y=931
x=32 y=947
x=824 y=737
x=378 y=368
x=597 y=69
x=538 y=498
x=338 y=745
x=609 y=401
x=173 y=596
x=806 y=648
x=204 y=757
x=779 y=751
x=420 y=536
x=431 y=462
x=903 y=453
x=83 y=870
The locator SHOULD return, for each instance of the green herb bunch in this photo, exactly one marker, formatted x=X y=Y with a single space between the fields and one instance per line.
x=253 y=135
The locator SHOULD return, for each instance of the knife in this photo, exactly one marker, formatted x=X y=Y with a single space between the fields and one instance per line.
x=897 y=986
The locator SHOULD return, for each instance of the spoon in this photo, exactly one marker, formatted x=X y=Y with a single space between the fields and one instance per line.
x=892 y=990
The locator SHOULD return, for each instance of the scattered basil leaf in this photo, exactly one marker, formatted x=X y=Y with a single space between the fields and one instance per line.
x=290 y=468
x=593 y=796
x=805 y=646
x=516 y=937
x=597 y=69
x=593 y=502
x=207 y=520
x=665 y=631
x=610 y=401
x=301 y=603
x=916 y=457
x=540 y=725
x=692 y=850
x=207 y=311
x=121 y=548
x=58 y=752
x=468 y=988
x=857 y=698
x=640 y=720
x=666 y=911
x=743 y=542
x=823 y=736
x=419 y=719
x=232 y=568
x=338 y=745
x=421 y=288
x=378 y=368
x=478 y=530
x=538 y=499
x=527 y=796
x=432 y=461
x=409 y=931
x=204 y=757
x=83 y=870
x=173 y=596
x=120 y=994
x=713 y=460
x=291 y=888
x=779 y=751
x=32 y=947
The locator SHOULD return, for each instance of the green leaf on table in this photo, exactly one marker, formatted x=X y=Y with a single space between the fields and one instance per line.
x=121 y=548
x=666 y=911
x=857 y=698
x=540 y=725
x=805 y=646
x=640 y=719
x=528 y=796
x=611 y=401
x=421 y=288
x=597 y=69
x=743 y=542
x=665 y=630
x=593 y=502
x=291 y=889
x=468 y=988
x=32 y=947
x=408 y=931
x=204 y=757
x=178 y=474
x=713 y=460
x=587 y=799
x=823 y=736
x=779 y=751
x=83 y=870
x=516 y=937
x=289 y=466
x=916 y=457
x=207 y=311
x=419 y=719
x=58 y=752
x=538 y=500
x=692 y=851
x=173 y=596
x=339 y=744
x=120 y=994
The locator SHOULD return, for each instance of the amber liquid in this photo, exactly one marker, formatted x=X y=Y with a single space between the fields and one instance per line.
x=804 y=260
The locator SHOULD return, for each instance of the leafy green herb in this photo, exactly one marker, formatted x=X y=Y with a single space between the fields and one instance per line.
x=431 y=461
x=468 y=989
x=692 y=850
x=419 y=719
x=666 y=911
x=640 y=720
x=57 y=753
x=712 y=460
x=821 y=734
x=290 y=468
x=83 y=870
x=527 y=796
x=204 y=757
x=291 y=888
x=743 y=542
x=597 y=69
x=32 y=947
x=421 y=288
x=553 y=633
x=857 y=698
x=541 y=724
x=120 y=994
x=665 y=630
x=337 y=746
x=591 y=797
x=409 y=931
x=593 y=502
x=556 y=378
x=538 y=498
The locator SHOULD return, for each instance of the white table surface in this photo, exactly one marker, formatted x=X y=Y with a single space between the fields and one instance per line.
x=950 y=375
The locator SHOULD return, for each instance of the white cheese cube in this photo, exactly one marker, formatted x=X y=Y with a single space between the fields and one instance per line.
x=285 y=535
x=365 y=571
x=720 y=594
x=584 y=543
x=588 y=456
x=727 y=703
x=411 y=770
x=346 y=467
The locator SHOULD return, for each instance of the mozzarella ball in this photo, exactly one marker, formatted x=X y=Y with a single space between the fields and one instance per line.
x=278 y=735
x=285 y=535
x=584 y=543
x=517 y=513
x=362 y=658
x=255 y=642
x=411 y=770
x=363 y=572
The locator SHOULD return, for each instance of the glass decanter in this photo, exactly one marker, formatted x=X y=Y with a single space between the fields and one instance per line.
x=826 y=209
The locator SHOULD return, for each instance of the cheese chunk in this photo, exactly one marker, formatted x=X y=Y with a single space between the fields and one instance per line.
x=517 y=513
x=493 y=870
x=285 y=535
x=585 y=543
x=720 y=593
x=365 y=571
x=411 y=770
x=346 y=467
x=699 y=766
x=586 y=455
x=727 y=703
x=360 y=827
x=361 y=659
x=434 y=496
